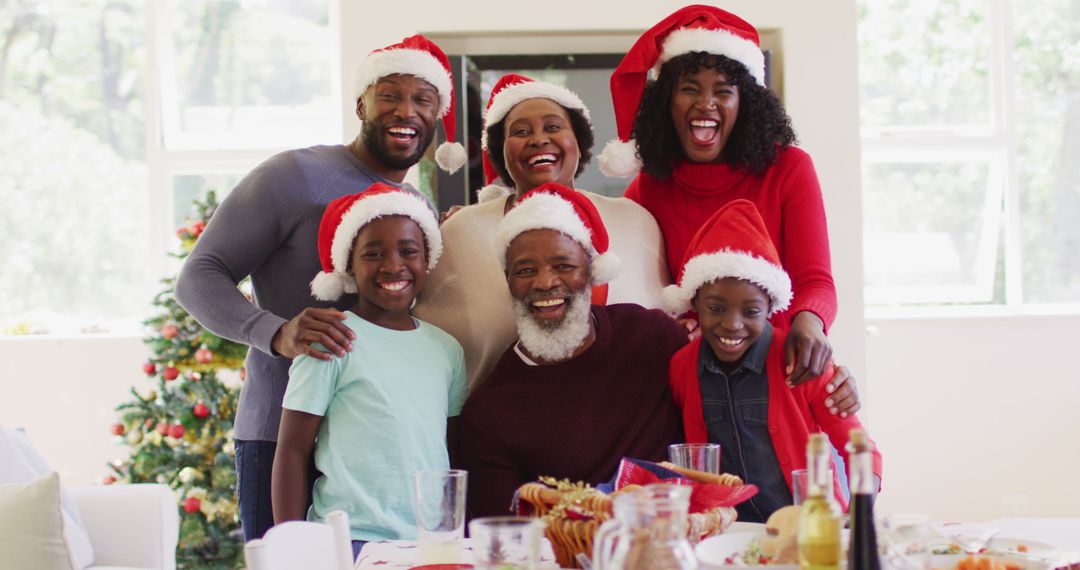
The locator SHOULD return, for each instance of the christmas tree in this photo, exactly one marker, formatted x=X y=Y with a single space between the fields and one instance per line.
x=180 y=428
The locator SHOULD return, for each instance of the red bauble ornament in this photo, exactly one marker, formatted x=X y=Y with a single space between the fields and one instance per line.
x=200 y=410
x=192 y=505
x=149 y=422
x=117 y=429
x=243 y=374
x=197 y=228
x=169 y=331
x=176 y=431
x=170 y=373
x=149 y=368
x=203 y=355
x=108 y=480
x=162 y=428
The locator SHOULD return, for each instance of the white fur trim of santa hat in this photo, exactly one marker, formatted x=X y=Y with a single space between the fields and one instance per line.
x=510 y=96
x=417 y=63
x=619 y=159
x=709 y=267
x=330 y=286
x=548 y=211
x=720 y=42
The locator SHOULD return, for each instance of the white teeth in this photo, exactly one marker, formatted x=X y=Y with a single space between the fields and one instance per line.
x=394 y=285
x=402 y=131
x=704 y=123
x=548 y=302
x=730 y=341
x=542 y=158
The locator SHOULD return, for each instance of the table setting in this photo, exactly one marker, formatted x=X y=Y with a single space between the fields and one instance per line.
x=679 y=514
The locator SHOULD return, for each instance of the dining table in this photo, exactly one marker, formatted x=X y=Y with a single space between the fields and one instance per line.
x=1061 y=533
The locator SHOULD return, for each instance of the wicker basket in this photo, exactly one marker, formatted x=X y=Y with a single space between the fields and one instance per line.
x=570 y=535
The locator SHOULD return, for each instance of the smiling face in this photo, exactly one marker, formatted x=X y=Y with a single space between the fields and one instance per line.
x=704 y=107
x=388 y=263
x=399 y=114
x=540 y=145
x=548 y=275
x=732 y=313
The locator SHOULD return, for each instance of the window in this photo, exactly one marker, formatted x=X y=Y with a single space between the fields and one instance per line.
x=970 y=110
x=115 y=115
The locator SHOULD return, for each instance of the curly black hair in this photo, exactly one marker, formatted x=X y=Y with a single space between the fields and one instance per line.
x=496 y=136
x=762 y=128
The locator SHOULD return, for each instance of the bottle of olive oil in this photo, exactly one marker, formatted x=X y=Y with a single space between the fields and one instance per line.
x=863 y=551
x=819 y=523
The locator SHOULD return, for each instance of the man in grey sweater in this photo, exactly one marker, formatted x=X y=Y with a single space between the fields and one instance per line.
x=267 y=228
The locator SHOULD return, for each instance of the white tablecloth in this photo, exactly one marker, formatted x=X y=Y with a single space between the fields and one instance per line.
x=404 y=554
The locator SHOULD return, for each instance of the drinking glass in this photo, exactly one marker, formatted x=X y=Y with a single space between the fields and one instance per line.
x=439 y=502
x=698 y=456
x=904 y=541
x=799 y=485
x=506 y=543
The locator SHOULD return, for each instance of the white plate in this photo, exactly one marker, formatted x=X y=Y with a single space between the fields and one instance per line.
x=1001 y=544
x=950 y=561
x=713 y=551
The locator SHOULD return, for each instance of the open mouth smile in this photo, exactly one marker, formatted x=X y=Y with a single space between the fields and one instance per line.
x=394 y=287
x=549 y=307
x=704 y=132
x=402 y=134
x=542 y=160
x=728 y=344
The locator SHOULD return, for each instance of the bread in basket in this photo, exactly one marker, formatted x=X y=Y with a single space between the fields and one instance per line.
x=574 y=511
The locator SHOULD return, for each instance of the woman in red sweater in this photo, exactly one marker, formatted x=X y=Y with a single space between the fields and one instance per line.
x=707 y=131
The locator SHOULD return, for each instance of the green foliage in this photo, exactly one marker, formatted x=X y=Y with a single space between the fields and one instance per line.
x=180 y=431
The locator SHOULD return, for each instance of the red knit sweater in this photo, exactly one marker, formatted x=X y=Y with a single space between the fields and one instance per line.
x=794 y=413
x=788 y=196
x=575 y=419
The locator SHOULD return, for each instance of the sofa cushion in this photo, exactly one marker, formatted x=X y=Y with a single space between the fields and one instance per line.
x=20 y=464
x=32 y=525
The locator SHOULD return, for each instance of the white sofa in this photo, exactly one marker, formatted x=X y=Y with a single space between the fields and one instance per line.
x=106 y=527
x=130 y=526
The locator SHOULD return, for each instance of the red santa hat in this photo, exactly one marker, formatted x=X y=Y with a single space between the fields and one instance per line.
x=732 y=243
x=344 y=217
x=419 y=57
x=508 y=91
x=695 y=28
x=556 y=207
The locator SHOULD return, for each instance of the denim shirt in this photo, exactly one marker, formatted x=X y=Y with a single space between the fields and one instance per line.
x=736 y=410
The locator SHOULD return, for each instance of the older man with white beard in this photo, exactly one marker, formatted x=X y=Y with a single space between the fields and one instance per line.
x=584 y=385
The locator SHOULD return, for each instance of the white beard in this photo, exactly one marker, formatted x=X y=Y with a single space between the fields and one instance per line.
x=557 y=343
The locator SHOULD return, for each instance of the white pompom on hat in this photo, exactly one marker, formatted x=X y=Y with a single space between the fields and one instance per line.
x=556 y=207
x=695 y=28
x=732 y=243
x=343 y=219
x=419 y=57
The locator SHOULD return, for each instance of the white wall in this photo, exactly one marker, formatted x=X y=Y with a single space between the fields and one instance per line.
x=64 y=391
x=967 y=410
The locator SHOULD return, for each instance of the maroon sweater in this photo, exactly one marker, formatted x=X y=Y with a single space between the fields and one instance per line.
x=575 y=419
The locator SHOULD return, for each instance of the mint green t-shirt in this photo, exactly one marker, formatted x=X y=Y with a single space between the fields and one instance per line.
x=384 y=408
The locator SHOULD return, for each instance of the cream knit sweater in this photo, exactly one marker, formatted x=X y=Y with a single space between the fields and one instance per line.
x=466 y=295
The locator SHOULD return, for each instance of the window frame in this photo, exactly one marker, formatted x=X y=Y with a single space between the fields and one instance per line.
x=883 y=144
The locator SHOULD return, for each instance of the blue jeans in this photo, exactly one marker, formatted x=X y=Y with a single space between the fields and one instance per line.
x=254 y=461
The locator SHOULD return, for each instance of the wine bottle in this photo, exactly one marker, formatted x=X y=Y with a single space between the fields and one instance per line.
x=863 y=550
x=819 y=522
